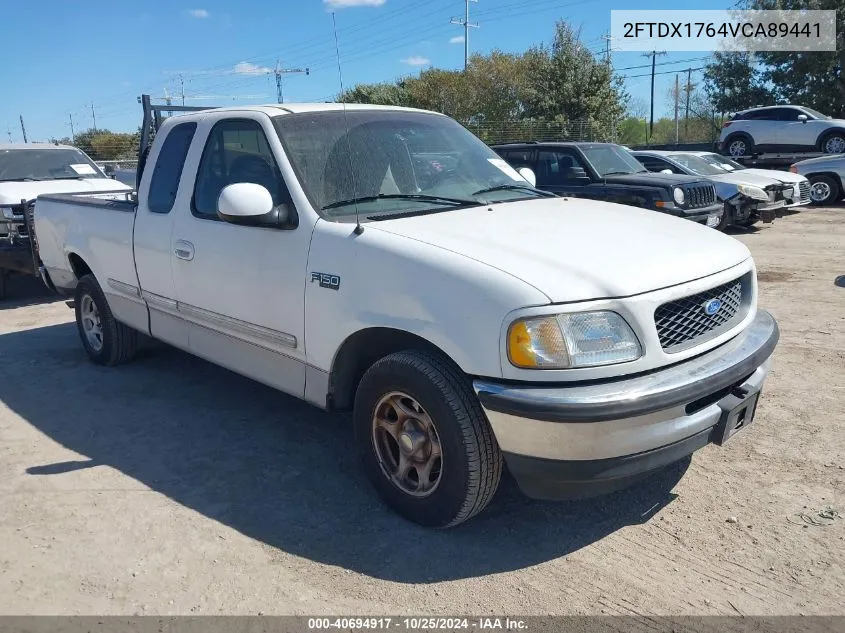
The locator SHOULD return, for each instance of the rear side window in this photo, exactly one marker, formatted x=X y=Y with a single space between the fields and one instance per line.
x=168 y=169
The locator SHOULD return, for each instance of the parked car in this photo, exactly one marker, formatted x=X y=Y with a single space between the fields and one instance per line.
x=781 y=128
x=30 y=169
x=747 y=198
x=608 y=172
x=826 y=175
x=800 y=193
x=467 y=323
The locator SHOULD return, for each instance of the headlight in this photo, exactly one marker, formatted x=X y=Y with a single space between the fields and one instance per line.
x=753 y=192
x=678 y=195
x=582 y=339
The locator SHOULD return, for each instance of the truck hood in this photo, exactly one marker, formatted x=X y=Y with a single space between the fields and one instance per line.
x=576 y=249
x=14 y=192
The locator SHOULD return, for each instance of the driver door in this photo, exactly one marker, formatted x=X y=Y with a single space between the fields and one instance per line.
x=241 y=288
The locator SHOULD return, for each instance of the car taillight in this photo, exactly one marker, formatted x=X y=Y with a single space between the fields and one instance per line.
x=725 y=124
x=793 y=169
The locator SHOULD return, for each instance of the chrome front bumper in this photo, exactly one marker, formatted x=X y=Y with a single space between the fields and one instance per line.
x=640 y=421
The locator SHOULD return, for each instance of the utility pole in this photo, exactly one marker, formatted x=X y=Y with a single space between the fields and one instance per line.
x=279 y=72
x=653 y=55
x=677 y=100
x=23 y=130
x=686 y=110
x=9 y=132
x=607 y=39
x=72 y=134
x=182 y=86
x=94 y=116
x=464 y=22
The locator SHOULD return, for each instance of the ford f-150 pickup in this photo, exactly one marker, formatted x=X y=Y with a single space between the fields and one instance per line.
x=387 y=262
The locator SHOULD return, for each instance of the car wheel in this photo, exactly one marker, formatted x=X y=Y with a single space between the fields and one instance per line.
x=833 y=143
x=3 y=276
x=823 y=190
x=426 y=444
x=739 y=145
x=106 y=340
x=725 y=220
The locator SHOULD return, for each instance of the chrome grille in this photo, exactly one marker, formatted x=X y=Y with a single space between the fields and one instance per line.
x=683 y=323
x=804 y=188
x=700 y=196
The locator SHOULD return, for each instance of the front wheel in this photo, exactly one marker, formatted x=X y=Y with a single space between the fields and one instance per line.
x=426 y=444
x=106 y=340
x=833 y=143
x=739 y=145
x=824 y=190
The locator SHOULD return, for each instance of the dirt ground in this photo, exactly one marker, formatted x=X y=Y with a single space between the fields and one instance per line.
x=171 y=486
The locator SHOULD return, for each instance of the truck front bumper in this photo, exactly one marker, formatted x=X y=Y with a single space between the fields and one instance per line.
x=575 y=440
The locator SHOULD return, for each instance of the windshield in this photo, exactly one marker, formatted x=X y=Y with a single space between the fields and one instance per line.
x=608 y=160
x=46 y=164
x=696 y=165
x=393 y=162
x=723 y=162
x=814 y=114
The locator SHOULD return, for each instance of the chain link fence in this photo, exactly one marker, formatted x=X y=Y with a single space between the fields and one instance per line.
x=493 y=132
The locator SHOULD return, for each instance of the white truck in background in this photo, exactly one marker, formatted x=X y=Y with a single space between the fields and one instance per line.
x=28 y=170
x=387 y=262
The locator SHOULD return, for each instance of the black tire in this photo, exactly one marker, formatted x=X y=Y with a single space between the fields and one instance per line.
x=740 y=142
x=471 y=465
x=745 y=224
x=119 y=342
x=832 y=142
x=824 y=190
x=3 y=277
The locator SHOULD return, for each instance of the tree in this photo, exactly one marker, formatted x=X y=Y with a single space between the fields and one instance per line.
x=735 y=81
x=385 y=93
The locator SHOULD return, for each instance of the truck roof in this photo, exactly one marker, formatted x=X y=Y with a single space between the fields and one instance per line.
x=296 y=108
x=8 y=146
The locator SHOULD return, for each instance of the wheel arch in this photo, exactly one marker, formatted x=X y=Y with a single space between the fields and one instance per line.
x=823 y=136
x=734 y=135
x=360 y=350
x=79 y=266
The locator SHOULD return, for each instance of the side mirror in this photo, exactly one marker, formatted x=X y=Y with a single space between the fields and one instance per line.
x=666 y=171
x=250 y=204
x=802 y=118
x=528 y=174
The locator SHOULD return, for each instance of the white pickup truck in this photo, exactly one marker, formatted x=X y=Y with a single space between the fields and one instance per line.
x=386 y=261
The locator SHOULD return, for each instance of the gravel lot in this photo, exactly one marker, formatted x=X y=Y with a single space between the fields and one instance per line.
x=171 y=486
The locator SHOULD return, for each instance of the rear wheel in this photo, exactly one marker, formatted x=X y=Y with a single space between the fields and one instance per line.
x=106 y=340
x=833 y=143
x=738 y=145
x=426 y=444
x=3 y=276
x=824 y=190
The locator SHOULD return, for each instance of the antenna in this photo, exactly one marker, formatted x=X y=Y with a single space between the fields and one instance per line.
x=358 y=228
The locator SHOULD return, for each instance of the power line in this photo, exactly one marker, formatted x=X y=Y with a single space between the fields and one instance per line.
x=678 y=61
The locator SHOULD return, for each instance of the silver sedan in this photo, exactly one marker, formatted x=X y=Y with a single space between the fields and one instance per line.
x=826 y=175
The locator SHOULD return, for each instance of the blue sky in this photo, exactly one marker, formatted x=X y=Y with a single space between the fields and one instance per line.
x=61 y=57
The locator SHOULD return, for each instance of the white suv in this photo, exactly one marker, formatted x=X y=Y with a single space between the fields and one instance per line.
x=781 y=128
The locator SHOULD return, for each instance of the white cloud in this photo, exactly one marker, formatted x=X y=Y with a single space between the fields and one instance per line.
x=245 y=68
x=458 y=39
x=416 y=60
x=198 y=13
x=343 y=4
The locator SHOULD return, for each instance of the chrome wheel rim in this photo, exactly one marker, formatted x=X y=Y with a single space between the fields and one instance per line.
x=835 y=145
x=820 y=191
x=91 y=324
x=407 y=445
x=737 y=148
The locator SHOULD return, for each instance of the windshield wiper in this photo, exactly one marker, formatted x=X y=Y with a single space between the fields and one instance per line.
x=402 y=196
x=542 y=194
x=622 y=173
x=27 y=179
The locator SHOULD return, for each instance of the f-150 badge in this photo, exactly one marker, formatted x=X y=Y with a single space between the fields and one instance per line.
x=326 y=280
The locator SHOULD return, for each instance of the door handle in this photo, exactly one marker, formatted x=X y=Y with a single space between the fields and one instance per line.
x=184 y=250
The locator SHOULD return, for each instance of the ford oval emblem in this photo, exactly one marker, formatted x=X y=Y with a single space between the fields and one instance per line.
x=712 y=307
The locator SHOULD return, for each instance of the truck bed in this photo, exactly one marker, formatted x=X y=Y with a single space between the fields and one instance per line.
x=94 y=228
